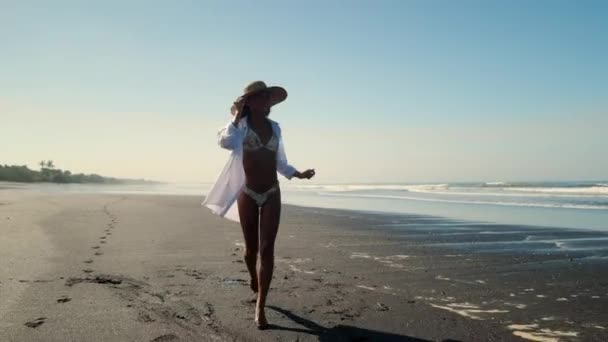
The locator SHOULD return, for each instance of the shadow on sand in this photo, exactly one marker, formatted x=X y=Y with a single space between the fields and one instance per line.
x=341 y=332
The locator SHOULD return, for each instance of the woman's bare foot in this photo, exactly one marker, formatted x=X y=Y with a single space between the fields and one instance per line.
x=260 y=319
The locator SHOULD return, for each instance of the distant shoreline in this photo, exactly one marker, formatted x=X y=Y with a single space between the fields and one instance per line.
x=117 y=181
x=120 y=182
x=49 y=174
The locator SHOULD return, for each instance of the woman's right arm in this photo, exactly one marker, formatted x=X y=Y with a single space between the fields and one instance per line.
x=230 y=136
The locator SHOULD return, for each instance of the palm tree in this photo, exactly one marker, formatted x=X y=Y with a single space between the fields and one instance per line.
x=50 y=164
x=41 y=163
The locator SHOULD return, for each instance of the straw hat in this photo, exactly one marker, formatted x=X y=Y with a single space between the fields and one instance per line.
x=277 y=94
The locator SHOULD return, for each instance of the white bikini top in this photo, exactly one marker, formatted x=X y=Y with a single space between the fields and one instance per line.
x=253 y=142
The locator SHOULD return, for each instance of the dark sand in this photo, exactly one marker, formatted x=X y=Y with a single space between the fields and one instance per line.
x=162 y=268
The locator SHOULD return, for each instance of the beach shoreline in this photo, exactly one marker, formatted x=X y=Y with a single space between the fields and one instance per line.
x=111 y=267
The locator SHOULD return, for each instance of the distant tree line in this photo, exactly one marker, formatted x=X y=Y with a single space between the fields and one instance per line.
x=48 y=173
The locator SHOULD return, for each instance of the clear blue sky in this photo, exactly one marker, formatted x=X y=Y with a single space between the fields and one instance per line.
x=379 y=90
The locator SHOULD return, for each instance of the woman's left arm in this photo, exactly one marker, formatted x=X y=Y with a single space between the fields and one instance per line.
x=286 y=169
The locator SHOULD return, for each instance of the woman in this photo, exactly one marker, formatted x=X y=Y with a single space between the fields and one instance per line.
x=250 y=179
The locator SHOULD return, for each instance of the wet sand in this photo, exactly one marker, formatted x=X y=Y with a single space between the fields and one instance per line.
x=76 y=267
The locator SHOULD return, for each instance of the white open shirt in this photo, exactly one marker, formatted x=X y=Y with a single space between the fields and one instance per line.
x=222 y=197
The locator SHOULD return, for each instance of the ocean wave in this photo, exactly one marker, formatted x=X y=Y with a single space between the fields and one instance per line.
x=370 y=187
x=464 y=191
x=483 y=189
x=495 y=184
x=503 y=190
x=590 y=190
x=463 y=201
x=546 y=184
x=428 y=187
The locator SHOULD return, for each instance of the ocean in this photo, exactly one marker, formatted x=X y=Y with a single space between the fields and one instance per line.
x=582 y=205
x=555 y=204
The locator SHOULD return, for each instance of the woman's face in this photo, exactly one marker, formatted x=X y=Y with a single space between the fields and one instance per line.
x=260 y=102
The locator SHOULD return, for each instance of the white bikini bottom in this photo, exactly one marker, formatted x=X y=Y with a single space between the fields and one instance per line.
x=261 y=198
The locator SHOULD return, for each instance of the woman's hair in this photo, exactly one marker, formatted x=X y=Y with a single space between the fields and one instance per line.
x=246 y=111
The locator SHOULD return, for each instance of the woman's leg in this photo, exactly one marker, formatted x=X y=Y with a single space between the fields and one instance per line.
x=269 y=225
x=249 y=217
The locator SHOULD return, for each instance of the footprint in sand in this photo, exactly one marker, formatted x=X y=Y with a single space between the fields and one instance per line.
x=145 y=317
x=165 y=338
x=382 y=307
x=95 y=247
x=194 y=273
x=35 y=323
x=87 y=270
x=102 y=242
x=98 y=253
x=249 y=302
x=64 y=299
x=98 y=279
x=88 y=261
x=102 y=237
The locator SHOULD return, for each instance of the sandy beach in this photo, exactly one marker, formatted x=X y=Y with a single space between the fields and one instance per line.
x=94 y=267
